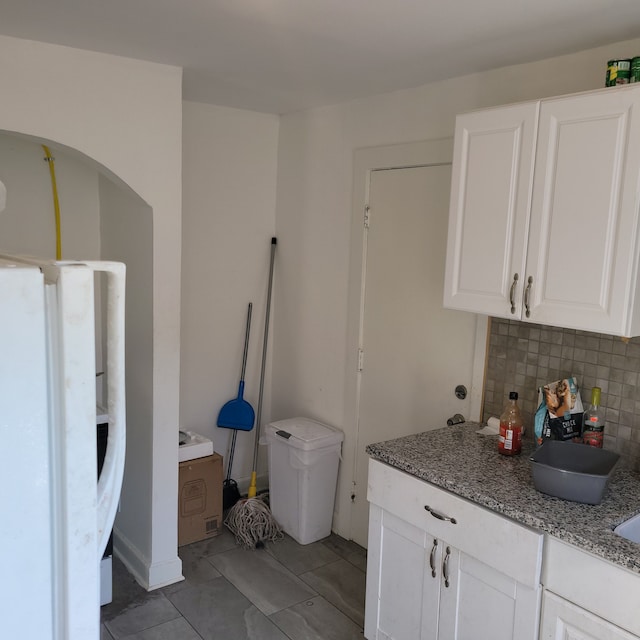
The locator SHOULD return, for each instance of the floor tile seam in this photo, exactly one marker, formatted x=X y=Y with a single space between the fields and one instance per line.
x=315 y=597
x=219 y=553
x=293 y=604
x=208 y=559
x=119 y=637
x=107 y=630
x=279 y=628
x=346 y=612
x=196 y=585
x=153 y=626
x=340 y=548
x=133 y=635
x=327 y=602
x=275 y=623
x=339 y=560
x=339 y=598
x=283 y=569
x=231 y=585
x=351 y=562
x=138 y=601
x=192 y=627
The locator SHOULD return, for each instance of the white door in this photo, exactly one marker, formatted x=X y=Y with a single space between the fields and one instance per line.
x=415 y=351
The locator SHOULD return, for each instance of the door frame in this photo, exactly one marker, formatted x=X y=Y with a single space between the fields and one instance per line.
x=366 y=161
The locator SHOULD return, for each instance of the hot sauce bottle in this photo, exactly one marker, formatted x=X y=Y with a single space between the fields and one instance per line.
x=510 y=438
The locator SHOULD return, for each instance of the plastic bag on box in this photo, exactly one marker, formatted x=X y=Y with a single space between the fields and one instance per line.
x=559 y=414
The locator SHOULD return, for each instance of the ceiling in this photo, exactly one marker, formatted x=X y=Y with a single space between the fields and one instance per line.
x=279 y=56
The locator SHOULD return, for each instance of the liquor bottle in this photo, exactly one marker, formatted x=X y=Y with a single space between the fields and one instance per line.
x=593 y=421
x=510 y=438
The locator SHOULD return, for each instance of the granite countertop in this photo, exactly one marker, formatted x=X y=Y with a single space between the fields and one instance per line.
x=468 y=464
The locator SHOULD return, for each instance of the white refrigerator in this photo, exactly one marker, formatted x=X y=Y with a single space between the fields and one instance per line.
x=56 y=515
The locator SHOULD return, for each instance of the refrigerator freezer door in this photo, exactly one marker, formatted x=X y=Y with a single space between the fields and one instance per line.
x=69 y=294
x=27 y=536
x=58 y=517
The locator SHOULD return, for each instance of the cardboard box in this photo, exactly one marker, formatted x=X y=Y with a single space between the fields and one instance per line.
x=199 y=499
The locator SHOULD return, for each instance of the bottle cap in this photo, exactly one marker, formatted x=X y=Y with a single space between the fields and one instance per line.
x=513 y=395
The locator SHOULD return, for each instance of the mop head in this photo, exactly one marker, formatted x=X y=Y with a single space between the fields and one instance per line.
x=252 y=524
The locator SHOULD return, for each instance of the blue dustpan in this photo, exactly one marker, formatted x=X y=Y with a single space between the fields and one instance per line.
x=238 y=413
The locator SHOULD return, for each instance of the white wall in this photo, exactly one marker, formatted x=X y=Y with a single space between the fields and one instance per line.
x=126 y=117
x=126 y=226
x=28 y=224
x=229 y=165
x=313 y=219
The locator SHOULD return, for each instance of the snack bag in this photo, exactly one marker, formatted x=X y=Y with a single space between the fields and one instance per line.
x=539 y=420
x=559 y=414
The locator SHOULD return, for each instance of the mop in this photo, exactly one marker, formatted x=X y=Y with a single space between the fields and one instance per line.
x=250 y=519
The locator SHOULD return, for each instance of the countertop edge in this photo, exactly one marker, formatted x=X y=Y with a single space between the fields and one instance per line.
x=557 y=517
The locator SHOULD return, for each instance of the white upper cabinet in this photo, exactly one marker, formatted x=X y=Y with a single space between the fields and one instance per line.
x=489 y=210
x=566 y=223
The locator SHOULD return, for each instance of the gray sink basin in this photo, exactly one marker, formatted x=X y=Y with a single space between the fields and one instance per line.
x=630 y=529
x=572 y=471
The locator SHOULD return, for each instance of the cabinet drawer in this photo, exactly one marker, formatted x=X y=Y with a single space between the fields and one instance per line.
x=511 y=548
x=594 y=584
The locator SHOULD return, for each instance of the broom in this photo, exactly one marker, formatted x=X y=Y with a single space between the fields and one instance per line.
x=250 y=520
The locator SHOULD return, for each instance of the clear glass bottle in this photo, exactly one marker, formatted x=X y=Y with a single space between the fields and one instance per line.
x=510 y=438
x=593 y=421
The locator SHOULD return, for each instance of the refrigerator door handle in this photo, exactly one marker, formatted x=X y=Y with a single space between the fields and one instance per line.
x=110 y=482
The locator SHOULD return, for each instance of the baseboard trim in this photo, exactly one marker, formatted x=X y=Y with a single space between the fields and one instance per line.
x=149 y=576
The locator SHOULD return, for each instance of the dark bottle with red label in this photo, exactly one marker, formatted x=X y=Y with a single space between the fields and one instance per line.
x=593 y=421
x=510 y=438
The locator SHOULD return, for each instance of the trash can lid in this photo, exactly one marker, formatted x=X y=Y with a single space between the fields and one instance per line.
x=304 y=433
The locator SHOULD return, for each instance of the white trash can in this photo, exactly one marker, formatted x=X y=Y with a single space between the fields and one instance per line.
x=303 y=472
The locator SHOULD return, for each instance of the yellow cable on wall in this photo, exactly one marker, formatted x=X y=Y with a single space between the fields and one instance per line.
x=56 y=204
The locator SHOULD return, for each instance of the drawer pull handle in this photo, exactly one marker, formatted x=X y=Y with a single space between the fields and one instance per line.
x=440 y=516
x=527 y=295
x=512 y=293
x=445 y=567
x=432 y=558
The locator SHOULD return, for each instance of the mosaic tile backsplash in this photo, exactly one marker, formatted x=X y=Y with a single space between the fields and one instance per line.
x=523 y=357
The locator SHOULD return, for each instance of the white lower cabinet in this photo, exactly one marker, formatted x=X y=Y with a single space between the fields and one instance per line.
x=440 y=567
x=562 y=620
x=587 y=597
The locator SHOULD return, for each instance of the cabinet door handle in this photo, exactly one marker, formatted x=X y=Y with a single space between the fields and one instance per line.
x=512 y=293
x=527 y=295
x=440 y=516
x=432 y=558
x=445 y=567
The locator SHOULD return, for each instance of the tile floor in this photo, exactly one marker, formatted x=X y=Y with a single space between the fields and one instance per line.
x=283 y=592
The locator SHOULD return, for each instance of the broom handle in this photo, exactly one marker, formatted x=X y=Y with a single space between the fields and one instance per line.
x=233 y=448
x=246 y=342
x=274 y=241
